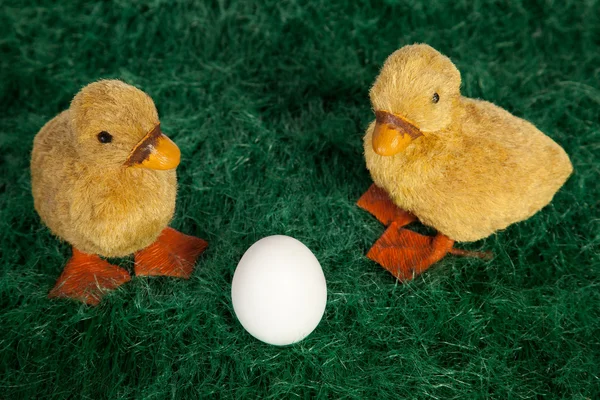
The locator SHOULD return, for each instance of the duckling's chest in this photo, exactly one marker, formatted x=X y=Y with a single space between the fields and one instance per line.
x=406 y=181
x=151 y=196
x=132 y=199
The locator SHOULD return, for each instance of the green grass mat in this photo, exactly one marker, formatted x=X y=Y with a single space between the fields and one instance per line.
x=268 y=103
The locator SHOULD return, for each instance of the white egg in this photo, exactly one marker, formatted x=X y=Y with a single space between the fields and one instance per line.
x=279 y=290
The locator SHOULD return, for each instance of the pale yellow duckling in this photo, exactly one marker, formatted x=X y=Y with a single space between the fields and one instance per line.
x=463 y=166
x=103 y=179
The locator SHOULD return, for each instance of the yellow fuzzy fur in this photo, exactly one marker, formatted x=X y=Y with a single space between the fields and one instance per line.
x=477 y=169
x=81 y=189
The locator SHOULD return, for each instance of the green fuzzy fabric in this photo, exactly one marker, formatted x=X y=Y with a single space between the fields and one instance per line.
x=268 y=101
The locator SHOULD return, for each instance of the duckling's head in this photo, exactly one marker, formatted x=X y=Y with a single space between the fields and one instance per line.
x=116 y=125
x=416 y=93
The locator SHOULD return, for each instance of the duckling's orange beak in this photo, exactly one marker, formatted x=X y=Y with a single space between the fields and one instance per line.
x=155 y=151
x=392 y=133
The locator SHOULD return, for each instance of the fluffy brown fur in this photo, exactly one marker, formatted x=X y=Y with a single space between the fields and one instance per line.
x=81 y=189
x=477 y=169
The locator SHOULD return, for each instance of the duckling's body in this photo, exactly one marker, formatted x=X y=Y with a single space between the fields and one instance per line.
x=465 y=167
x=112 y=212
x=103 y=179
x=488 y=170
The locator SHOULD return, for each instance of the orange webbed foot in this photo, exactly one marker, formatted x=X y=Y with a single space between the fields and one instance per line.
x=88 y=278
x=377 y=202
x=173 y=254
x=402 y=252
x=406 y=254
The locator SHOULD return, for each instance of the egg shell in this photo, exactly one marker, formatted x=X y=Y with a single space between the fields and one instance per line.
x=279 y=290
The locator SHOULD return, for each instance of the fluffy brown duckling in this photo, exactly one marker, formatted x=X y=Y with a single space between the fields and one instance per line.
x=103 y=179
x=465 y=167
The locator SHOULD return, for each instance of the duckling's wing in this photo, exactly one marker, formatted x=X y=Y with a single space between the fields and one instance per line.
x=508 y=170
x=52 y=174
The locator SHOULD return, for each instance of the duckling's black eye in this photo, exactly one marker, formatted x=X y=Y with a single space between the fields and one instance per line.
x=435 y=98
x=104 y=137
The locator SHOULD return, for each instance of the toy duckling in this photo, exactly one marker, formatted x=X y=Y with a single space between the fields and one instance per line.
x=465 y=167
x=103 y=179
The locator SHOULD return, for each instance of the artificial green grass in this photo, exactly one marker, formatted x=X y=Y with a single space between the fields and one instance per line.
x=268 y=103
